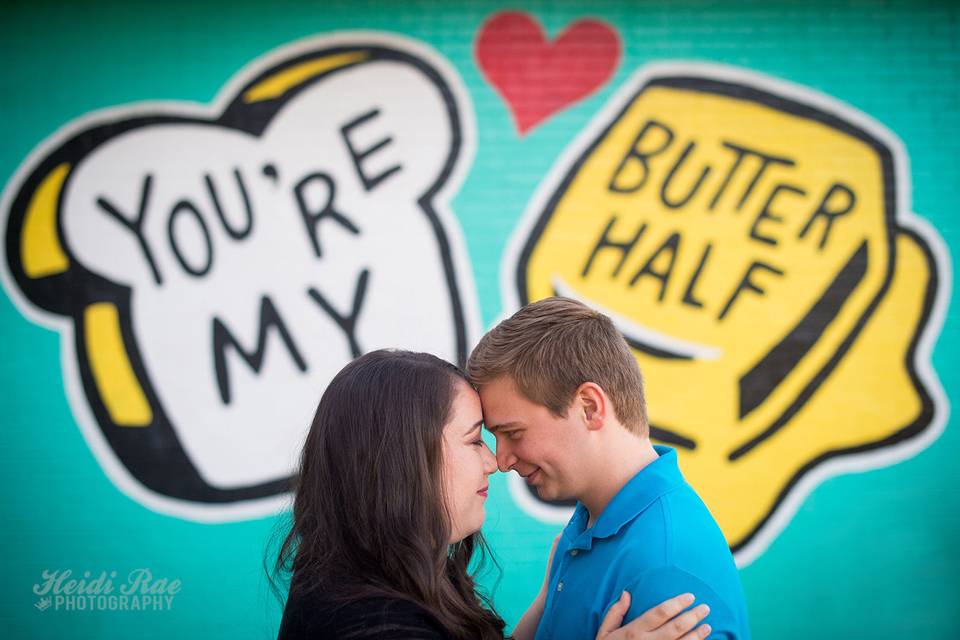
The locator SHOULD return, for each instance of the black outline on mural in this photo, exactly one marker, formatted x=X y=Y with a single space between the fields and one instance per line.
x=916 y=427
x=765 y=95
x=170 y=472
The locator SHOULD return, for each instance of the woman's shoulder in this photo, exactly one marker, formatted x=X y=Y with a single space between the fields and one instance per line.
x=321 y=615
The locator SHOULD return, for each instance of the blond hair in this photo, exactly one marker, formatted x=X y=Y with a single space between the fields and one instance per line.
x=551 y=347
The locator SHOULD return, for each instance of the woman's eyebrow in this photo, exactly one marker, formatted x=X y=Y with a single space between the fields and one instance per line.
x=473 y=428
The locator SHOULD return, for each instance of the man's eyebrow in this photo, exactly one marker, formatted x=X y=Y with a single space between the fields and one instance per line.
x=506 y=425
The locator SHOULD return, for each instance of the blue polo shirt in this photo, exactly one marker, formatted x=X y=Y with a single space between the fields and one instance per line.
x=656 y=539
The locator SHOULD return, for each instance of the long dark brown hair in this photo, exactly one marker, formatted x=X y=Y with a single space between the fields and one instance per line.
x=368 y=515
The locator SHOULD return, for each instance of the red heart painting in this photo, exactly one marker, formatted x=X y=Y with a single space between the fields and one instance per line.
x=537 y=77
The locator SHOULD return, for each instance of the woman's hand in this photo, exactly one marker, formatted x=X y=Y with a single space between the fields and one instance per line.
x=660 y=623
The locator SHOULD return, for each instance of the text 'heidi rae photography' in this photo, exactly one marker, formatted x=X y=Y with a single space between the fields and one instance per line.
x=139 y=590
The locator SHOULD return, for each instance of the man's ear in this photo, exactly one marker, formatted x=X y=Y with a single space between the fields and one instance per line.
x=593 y=403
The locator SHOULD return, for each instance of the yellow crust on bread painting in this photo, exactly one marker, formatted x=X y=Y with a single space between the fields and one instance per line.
x=119 y=388
x=40 y=247
x=294 y=76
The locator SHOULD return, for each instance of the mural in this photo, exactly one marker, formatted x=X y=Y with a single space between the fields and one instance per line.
x=205 y=216
x=526 y=67
x=210 y=270
x=754 y=242
x=752 y=239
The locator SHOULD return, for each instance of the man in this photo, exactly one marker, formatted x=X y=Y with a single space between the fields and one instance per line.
x=563 y=396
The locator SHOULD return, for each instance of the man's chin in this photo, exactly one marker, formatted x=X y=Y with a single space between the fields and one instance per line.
x=550 y=492
x=545 y=487
x=546 y=492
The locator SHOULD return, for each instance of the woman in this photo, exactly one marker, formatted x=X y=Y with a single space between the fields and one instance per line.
x=389 y=504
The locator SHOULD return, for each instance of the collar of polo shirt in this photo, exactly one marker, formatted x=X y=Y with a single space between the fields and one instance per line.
x=654 y=480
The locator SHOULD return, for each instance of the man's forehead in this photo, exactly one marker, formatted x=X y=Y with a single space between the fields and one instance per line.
x=499 y=390
x=502 y=403
x=497 y=403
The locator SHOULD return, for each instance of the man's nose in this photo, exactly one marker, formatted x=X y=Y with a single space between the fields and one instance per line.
x=505 y=458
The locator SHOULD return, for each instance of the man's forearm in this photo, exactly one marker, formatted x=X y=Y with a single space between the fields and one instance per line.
x=526 y=629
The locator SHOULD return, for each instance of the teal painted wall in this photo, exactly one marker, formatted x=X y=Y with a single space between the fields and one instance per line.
x=866 y=554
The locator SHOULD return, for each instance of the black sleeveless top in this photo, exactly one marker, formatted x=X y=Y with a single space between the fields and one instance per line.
x=318 y=617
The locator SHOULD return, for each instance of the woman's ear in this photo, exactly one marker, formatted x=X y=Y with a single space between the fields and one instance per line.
x=593 y=403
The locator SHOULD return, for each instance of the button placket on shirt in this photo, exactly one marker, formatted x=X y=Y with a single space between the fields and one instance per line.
x=561 y=571
x=564 y=560
x=573 y=553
